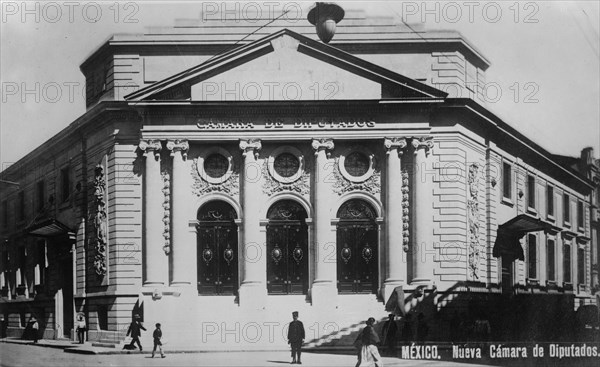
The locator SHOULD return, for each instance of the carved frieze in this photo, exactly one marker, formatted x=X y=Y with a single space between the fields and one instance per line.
x=405 y=211
x=100 y=221
x=473 y=218
x=201 y=186
x=342 y=185
x=272 y=186
x=166 y=190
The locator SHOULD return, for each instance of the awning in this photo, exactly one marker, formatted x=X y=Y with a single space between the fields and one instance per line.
x=510 y=233
x=524 y=223
x=50 y=227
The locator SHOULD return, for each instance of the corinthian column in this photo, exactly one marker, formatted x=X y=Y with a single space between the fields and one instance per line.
x=423 y=256
x=323 y=289
x=183 y=251
x=253 y=289
x=155 y=261
x=395 y=264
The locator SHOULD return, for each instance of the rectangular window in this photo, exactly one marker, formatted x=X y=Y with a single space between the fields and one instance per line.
x=531 y=191
x=41 y=262
x=581 y=266
x=5 y=214
x=65 y=184
x=550 y=200
x=566 y=209
x=580 y=214
x=507 y=181
x=41 y=194
x=21 y=206
x=567 y=263
x=550 y=260
x=532 y=256
x=22 y=265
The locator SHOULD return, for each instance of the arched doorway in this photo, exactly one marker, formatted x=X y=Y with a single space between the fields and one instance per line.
x=357 y=248
x=217 y=249
x=287 y=248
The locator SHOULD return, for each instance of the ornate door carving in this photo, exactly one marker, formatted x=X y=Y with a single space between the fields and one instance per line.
x=357 y=248
x=217 y=249
x=287 y=249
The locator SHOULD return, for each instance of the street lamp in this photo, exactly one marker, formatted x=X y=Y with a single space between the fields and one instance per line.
x=325 y=16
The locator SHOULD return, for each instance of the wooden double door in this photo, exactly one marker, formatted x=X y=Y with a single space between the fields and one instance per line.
x=287 y=249
x=217 y=249
x=357 y=248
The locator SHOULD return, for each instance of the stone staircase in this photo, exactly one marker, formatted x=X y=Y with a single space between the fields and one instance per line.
x=218 y=323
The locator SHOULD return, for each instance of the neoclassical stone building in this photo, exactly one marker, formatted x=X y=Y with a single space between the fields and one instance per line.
x=216 y=192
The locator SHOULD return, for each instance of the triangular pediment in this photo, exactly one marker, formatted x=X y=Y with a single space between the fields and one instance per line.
x=285 y=66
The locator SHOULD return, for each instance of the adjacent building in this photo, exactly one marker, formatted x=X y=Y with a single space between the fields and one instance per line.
x=216 y=186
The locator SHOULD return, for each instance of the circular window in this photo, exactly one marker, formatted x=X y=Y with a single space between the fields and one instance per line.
x=286 y=164
x=357 y=164
x=215 y=165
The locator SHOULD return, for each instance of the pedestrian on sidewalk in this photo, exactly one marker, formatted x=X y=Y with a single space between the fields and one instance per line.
x=135 y=329
x=368 y=340
x=157 y=335
x=81 y=327
x=296 y=338
x=35 y=329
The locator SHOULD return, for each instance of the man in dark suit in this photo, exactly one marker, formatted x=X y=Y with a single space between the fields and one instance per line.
x=135 y=329
x=296 y=337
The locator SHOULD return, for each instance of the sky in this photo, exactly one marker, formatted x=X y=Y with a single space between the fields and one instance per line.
x=544 y=78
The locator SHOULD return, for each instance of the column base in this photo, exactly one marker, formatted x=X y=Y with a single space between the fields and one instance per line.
x=253 y=296
x=324 y=295
x=388 y=289
x=421 y=281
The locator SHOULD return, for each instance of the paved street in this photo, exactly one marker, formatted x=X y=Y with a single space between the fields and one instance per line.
x=28 y=355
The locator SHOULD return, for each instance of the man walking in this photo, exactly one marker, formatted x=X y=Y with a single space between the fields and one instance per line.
x=135 y=330
x=157 y=335
x=296 y=337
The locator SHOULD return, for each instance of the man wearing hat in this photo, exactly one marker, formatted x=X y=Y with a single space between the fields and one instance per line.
x=135 y=330
x=296 y=337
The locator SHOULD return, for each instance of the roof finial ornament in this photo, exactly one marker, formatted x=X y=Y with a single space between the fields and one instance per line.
x=325 y=16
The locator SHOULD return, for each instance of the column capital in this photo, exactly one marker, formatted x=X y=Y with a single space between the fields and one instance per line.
x=250 y=145
x=425 y=142
x=178 y=145
x=394 y=143
x=150 y=145
x=319 y=144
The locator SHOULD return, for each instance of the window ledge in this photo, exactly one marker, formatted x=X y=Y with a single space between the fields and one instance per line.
x=566 y=223
x=532 y=211
x=551 y=218
x=507 y=201
x=533 y=282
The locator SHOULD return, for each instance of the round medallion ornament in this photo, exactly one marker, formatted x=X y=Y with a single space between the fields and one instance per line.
x=207 y=255
x=228 y=254
x=276 y=254
x=297 y=254
x=346 y=253
x=367 y=253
